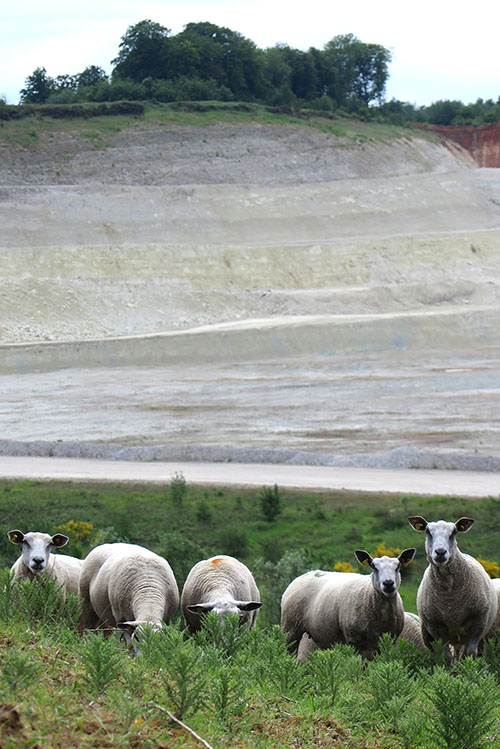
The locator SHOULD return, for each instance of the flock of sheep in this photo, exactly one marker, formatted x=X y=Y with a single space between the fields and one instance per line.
x=127 y=586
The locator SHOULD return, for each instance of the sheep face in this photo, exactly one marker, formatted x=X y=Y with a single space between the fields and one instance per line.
x=225 y=607
x=440 y=537
x=36 y=548
x=386 y=571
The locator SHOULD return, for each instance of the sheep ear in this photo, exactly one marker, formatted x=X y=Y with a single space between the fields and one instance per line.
x=128 y=627
x=58 y=539
x=248 y=605
x=16 y=537
x=199 y=608
x=463 y=524
x=363 y=557
x=418 y=523
x=406 y=556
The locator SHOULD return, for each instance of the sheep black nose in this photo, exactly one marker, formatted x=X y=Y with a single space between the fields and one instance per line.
x=388 y=585
x=440 y=553
x=37 y=561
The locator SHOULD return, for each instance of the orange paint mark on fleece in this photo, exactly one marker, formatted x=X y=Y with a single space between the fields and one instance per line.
x=216 y=561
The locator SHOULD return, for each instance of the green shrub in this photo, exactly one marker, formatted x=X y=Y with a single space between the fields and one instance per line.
x=462 y=708
x=234 y=541
x=181 y=553
x=6 y=594
x=225 y=634
x=270 y=502
x=17 y=671
x=329 y=670
x=40 y=603
x=273 y=577
x=178 y=489
x=183 y=674
x=103 y=658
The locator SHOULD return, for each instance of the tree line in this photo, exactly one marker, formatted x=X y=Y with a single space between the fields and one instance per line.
x=210 y=62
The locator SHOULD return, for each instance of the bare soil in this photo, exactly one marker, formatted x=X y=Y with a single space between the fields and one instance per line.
x=253 y=293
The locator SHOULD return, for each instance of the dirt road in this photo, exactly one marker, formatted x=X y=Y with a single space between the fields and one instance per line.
x=456 y=483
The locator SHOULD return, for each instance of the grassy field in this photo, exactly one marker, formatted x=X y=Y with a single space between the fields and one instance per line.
x=61 y=688
x=31 y=132
x=187 y=523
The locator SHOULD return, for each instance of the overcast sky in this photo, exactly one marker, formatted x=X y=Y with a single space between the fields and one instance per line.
x=441 y=49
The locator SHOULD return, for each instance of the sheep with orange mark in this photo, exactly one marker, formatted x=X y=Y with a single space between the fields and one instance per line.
x=221 y=584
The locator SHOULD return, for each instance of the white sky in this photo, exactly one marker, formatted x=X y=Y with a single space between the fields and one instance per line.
x=441 y=49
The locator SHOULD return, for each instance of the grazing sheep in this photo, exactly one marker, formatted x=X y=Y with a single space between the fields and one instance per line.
x=36 y=560
x=412 y=630
x=221 y=584
x=345 y=607
x=127 y=586
x=456 y=602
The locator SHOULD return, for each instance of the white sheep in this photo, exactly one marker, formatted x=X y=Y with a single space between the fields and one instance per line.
x=127 y=586
x=37 y=560
x=456 y=602
x=221 y=584
x=345 y=607
x=412 y=630
x=495 y=584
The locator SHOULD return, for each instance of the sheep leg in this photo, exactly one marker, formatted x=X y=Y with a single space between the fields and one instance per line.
x=472 y=647
x=293 y=637
x=306 y=646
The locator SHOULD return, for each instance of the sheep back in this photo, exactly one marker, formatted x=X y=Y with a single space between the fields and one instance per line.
x=127 y=583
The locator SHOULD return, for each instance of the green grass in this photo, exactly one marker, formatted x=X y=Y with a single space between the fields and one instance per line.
x=326 y=526
x=30 y=132
x=234 y=689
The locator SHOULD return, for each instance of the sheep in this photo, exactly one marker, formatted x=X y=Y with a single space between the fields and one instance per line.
x=221 y=584
x=412 y=630
x=495 y=584
x=37 y=560
x=345 y=607
x=456 y=602
x=126 y=586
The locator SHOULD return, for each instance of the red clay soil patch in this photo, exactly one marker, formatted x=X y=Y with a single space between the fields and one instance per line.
x=482 y=142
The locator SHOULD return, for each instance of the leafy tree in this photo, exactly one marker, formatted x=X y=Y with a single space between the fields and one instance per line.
x=443 y=112
x=340 y=63
x=141 y=51
x=91 y=76
x=304 y=79
x=37 y=87
x=180 y=57
x=361 y=70
x=371 y=71
x=228 y=58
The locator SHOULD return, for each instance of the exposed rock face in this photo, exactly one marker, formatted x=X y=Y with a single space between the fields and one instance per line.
x=483 y=143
